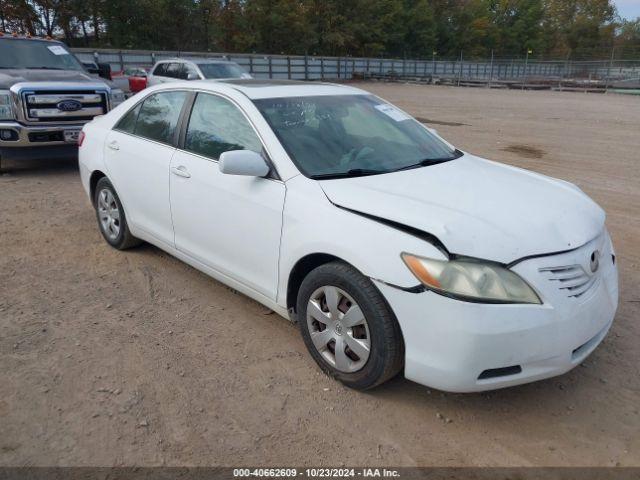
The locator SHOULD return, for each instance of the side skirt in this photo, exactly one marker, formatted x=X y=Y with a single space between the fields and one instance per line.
x=221 y=277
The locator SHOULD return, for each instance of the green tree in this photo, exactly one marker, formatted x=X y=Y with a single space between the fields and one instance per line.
x=517 y=26
x=18 y=16
x=398 y=28
x=580 y=28
x=628 y=40
x=278 y=26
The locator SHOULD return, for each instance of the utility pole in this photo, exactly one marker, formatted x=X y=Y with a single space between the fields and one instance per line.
x=460 y=69
x=565 y=73
x=606 y=85
x=491 y=72
x=526 y=63
x=433 y=61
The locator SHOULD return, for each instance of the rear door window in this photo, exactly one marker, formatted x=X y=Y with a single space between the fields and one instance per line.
x=160 y=70
x=217 y=126
x=127 y=123
x=158 y=116
x=174 y=70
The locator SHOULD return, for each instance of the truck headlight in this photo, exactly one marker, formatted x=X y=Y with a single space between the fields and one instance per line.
x=117 y=97
x=6 y=112
x=471 y=279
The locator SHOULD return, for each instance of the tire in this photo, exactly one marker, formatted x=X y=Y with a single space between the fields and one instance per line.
x=114 y=230
x=380 y=327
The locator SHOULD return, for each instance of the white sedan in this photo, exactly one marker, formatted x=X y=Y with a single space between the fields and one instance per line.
x=393 y=250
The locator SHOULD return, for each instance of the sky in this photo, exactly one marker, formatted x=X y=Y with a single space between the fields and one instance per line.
x=629 y=9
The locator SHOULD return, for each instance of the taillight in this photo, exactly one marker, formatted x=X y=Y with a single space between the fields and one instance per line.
x=80 y=139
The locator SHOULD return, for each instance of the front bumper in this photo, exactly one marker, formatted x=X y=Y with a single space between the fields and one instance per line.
x=36 y=135
x=460 y=346
x=37 y=142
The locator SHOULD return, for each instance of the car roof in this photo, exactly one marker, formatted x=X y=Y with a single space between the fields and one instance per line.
x=195 y=60
x=257 y=88
x=210 y=60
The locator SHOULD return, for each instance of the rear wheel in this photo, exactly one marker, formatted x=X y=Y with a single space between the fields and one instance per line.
x=111 y=218
x=348 y=328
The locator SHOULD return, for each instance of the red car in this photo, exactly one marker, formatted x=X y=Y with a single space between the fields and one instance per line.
x=133 y=79
x=137 y=83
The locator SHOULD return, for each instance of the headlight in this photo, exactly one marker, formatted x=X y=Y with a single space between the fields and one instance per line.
x=471 y=279
x=117 y=97
x=6 y=112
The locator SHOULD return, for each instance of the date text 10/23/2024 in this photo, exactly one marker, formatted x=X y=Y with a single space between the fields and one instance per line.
x=315 y=473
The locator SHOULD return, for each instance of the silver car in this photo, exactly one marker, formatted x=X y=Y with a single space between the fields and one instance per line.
x=200 y=69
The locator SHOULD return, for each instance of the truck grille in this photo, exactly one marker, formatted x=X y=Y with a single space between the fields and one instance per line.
x=63 y=106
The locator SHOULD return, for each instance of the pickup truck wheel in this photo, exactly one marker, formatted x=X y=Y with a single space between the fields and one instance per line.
x=348 y=327
x=111 y=218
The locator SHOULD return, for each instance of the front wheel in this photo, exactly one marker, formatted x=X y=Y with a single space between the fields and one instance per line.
x=348 y=328
x=111 y=218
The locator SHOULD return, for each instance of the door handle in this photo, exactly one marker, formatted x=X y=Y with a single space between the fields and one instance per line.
x=113 y=146
x=180 y=171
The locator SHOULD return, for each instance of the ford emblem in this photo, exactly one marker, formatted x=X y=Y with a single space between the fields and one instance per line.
x=69 y=105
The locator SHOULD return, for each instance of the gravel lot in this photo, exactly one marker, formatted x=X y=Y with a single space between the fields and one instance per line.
x=113 y=358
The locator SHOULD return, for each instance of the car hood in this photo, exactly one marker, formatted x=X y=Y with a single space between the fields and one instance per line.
x=477 y=208
x=13 y=76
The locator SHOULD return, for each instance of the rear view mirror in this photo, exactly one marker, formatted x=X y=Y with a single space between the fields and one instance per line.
x=192 y=76
x=243 y=162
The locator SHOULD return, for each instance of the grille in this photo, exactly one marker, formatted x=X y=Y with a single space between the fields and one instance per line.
x=42 y=106
x=36 y=137
x=571 y=279
x=500 y=372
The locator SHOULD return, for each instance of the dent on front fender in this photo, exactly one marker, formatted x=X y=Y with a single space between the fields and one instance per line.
x=312 y=224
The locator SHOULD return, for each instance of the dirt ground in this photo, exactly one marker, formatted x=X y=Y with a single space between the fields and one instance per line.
x=133 y=358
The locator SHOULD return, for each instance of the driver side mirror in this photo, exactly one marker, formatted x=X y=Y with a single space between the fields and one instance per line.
x=104 y=70
x=192 y=76
x=243 y=162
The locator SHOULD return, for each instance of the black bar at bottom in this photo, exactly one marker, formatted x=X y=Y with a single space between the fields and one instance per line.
x=214 y=473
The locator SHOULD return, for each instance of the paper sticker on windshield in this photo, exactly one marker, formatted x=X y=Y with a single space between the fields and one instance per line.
x=392 y=112
x=57 y=50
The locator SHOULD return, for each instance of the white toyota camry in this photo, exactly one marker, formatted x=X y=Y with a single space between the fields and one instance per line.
x=392 y=249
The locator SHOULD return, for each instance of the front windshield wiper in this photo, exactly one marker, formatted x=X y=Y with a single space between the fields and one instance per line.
x=354 y=172
x=43 y=68
x=428 y=161
x=361 y=172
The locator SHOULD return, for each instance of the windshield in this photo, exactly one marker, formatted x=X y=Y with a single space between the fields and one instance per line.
x=351 y=135
x=33 y=54
x=221 y=70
